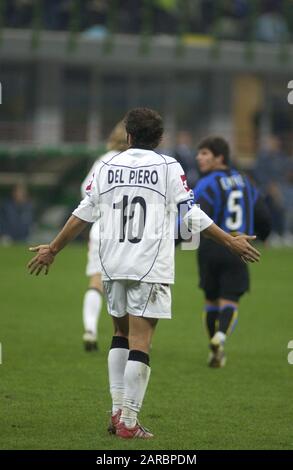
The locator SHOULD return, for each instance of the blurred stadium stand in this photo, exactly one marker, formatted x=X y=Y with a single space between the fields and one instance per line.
x=70 y=69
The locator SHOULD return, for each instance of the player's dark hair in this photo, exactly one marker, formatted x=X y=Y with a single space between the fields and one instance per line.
x=145 y=127
x=218 y=146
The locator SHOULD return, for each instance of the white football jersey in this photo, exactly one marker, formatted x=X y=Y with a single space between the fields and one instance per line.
x=91 y=173
x=95 y=231
x=135 y=196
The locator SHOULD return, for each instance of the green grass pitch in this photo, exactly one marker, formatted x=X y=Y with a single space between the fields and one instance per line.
x=53 y=395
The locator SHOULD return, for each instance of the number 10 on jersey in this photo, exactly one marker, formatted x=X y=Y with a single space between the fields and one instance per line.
x=129 y=211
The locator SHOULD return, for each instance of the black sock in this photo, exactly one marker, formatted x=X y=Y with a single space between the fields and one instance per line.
x=119 y=342
x=227 y=318
x=212 y=316
x=140 y=356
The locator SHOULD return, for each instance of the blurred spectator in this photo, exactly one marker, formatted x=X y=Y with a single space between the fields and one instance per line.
x=271 y=26
x=16 y=215
x=230 y=19
x=208 y=14
x=97 y=12
x=20 y=13
x=165 y=16
x=129 y=23
x=95 y=18
x=56 y=14
x=226 y=18
x=185 y=155
x=270 y=173
x=227 y=24
x=241 y=8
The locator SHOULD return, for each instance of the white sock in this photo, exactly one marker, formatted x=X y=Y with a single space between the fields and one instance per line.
x=220 y=337
x=117 y=359
x=92 y=305
x=136 y=378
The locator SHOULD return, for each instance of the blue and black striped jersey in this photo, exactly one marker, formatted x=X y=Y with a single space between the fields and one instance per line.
x=229 y=198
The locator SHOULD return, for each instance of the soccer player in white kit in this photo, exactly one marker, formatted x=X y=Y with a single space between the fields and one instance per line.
x=135 y=196
x=93 y=297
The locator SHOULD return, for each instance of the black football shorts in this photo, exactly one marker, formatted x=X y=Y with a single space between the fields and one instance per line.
x=222 y=274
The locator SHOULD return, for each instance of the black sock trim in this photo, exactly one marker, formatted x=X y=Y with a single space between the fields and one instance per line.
x=139 y=356
x=119 y=342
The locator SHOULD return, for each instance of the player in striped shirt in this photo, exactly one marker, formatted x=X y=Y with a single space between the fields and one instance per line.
x=235 y=205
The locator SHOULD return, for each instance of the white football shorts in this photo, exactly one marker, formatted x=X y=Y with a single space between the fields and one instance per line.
x=94 y=261
x=141 y=299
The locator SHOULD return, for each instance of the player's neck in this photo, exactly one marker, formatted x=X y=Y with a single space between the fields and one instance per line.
x=141 y=147
x=220 y=167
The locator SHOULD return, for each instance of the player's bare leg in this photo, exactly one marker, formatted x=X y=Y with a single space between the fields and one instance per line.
x=117 y=360
x=141 y=331
x=92 y=305
x=136 y=377
x=227 y=321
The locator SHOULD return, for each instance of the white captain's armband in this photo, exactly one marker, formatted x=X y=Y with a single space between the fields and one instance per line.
x=190 y=202
x=197 y=220
x=186 y=205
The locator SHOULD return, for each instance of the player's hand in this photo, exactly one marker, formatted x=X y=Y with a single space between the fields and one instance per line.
x=241 y=246
x=42 y=260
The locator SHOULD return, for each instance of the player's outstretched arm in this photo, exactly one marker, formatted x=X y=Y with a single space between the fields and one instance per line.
x=46 y=253
x=239 y=245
